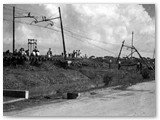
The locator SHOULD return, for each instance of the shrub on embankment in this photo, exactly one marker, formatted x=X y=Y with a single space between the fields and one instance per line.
x=113 y=77
x=145 y=73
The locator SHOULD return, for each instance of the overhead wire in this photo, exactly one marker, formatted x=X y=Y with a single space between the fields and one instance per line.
x=72 y=34
x=60 y=31
x=27 y=11
x=77 y=33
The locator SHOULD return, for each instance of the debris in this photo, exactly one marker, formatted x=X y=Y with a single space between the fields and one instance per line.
x=70 y=95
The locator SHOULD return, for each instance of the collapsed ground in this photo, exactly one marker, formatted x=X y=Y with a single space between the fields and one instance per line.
x=49 y=78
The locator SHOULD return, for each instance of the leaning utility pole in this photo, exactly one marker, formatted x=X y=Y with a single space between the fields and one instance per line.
x=13 y=29
x=64 y=48
x=132 y=44
x=120 y=51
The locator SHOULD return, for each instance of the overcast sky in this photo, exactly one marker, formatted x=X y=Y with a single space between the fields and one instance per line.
x=99 y=28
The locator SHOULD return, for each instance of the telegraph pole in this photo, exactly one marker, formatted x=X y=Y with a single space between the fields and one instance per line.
x=154 y=54
x=120 y=51
x=13 y=29
x=132 y=44
x=64 y=48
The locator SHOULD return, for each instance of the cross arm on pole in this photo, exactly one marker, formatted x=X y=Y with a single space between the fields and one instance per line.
x=44 y=19
x=130 y=54
x=132 y=47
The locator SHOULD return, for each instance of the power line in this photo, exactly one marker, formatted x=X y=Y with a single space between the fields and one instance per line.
x=77 y=33
x=32 y=25
x=7 y=13
x=90 y=39
x=20 y=10
x=11 y=10
x=70 y=35
x=73 y=36
x=70 y=30
x=73 y=33
x=10 y=13
x=27 y=11
x=60 y=31
x=92 y=44
x=6 y=7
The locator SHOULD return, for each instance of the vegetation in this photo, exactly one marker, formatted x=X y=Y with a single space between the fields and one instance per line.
x=53 y=77
x=107 y=79
x=145 y=73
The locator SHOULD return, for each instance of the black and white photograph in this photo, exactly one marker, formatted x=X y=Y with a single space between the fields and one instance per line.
x=79 y=59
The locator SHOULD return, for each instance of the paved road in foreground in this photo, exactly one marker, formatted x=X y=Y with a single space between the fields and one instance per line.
x=137 y=100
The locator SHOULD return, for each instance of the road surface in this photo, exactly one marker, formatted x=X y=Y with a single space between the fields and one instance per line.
x=137 y=100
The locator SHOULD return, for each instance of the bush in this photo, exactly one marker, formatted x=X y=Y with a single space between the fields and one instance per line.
x=107 y=78
x=61 y=64
x=145 y=73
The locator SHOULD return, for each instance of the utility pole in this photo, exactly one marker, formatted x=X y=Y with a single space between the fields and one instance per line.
x=13 y=29
x=14 y=17
x=132 y=44
x=120 y=51
x=154 y=54
x=64 y=48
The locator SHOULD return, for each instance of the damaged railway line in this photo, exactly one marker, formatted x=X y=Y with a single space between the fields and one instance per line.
x=33 y=79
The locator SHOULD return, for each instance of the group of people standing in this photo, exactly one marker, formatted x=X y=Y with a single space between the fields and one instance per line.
x=119 y=64
x=21 y=52
x=74 y=54
x=35 y=52
x=138 y=66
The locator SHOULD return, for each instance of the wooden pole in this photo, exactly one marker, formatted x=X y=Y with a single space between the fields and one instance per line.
x=132 y=45
x=13 y=29
x=120 y=51
x=142 y=59
x=154 y=54
x=64 y=48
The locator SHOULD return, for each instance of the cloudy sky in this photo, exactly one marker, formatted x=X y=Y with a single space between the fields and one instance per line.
x=95 y=29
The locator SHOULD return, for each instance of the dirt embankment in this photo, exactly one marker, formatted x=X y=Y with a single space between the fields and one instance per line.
x=44 y=80
x=50 y=79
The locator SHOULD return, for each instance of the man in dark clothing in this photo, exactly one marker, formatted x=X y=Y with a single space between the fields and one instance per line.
x=138 y=66
x=119 y=64
x=15 y=52
x=49 y=53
